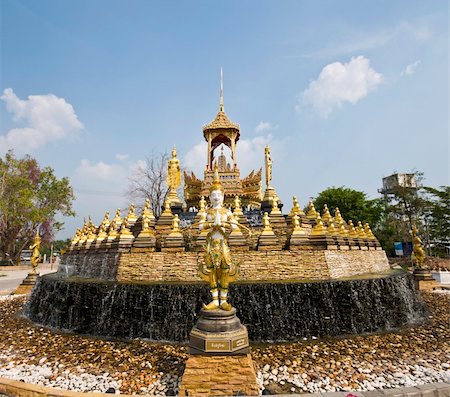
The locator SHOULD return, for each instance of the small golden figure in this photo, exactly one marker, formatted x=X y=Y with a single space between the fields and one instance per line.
x=35 y=254
x=237 y=205
x=419 y=252
x=173 y=179
x=268 y=164
x=296 y=222
x=266 y=223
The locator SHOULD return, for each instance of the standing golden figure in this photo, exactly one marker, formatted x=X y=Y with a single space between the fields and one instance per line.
x=218 y=268
x=35 y=255
x=268 y=164
x=418 y=251
x=173 y=179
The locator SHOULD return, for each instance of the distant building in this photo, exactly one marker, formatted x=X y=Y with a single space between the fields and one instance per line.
x=394 y=181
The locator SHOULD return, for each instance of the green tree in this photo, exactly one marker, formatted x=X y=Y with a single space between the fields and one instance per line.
x=404 y=206
x=352 y=204
x=437 y=217
x=57 y=246
x=30 y=198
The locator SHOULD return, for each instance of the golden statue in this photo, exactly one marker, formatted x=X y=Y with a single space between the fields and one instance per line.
x=266 y=223
x=173 y=179
x=268 y=163
x=296 y=223
x=35 y=254
x=218 y=269
x=237 y=206
x=418 y=251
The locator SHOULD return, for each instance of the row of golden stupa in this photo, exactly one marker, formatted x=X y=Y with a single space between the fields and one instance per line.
x=311 y=225
x=295 y=229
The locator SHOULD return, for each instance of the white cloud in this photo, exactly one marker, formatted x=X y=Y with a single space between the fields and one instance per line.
x=411 y=68
x=263 y=126
x=121 y=157
x=339 y=83
x=44 y=118
x=358 y=41
x=99 y=171
x=195 y=158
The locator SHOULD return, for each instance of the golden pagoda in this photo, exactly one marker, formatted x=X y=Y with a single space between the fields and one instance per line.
x=219 y=133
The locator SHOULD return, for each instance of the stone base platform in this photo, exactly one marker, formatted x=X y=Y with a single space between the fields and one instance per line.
x=218 y=332
x=219 y=376
x=27 y=284
x=424 y=281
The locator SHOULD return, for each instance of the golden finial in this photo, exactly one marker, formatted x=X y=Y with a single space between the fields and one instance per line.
x=351 y=230
x=106 y=220
x=216 y=184
x=113 y=230
x=319 y=228
x=326 y=216
x=131 y=216
x=332 y=230
x=221 y=107
x=117 y=218
x=338 y=217
x=361 y=231
x=237 y=206
x=312 y=213
x=342 y=230
x=368 y=232
x=124 y=229
x=296 y=210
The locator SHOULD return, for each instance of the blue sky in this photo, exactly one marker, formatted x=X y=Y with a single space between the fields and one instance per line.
x=345 y=92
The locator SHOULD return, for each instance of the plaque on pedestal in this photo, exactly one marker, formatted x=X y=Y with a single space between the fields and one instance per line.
x=218 y=332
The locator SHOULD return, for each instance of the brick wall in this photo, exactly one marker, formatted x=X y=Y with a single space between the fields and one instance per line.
x=254 y=265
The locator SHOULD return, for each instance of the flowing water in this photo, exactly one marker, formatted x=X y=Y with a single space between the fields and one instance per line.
x=271 y=311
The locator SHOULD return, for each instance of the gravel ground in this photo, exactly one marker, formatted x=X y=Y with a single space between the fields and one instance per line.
x=410 y=357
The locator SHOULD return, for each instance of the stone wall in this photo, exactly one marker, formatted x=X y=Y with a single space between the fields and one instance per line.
x=254 y=265
x=350 y=263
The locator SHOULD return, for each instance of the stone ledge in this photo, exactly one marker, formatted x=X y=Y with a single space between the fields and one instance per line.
x=15 y=388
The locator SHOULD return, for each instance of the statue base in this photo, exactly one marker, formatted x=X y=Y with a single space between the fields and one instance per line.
x=424 y=280
x=27 y=284
x=218 y=332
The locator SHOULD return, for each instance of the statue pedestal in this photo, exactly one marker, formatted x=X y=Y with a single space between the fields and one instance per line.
x=424 y=280
x=27 y=284
x=220 y=363
x=218 y=332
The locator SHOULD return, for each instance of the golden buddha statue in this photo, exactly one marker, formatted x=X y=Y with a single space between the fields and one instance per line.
x=218 y=268
x=173 y=179
x=35 y=254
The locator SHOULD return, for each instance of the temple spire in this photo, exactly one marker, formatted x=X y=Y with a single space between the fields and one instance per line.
x=221 y=91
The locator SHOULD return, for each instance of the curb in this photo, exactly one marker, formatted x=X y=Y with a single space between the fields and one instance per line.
x=15 y=388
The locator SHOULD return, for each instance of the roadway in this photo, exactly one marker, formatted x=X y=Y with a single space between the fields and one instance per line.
x=11 y=278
